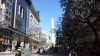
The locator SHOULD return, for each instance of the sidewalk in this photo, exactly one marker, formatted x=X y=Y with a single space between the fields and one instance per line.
x=34 y=50
x=83 y=54
x=7 y=53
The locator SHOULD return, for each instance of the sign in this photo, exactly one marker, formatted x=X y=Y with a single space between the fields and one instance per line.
x=2 y=40
x=14 y=43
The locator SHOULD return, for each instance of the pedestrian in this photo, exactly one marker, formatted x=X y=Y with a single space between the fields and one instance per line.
x=18 y=54
x=38 y=50
x=26 y=51
x=56 y=49
x=73 y=53
x=43 y=50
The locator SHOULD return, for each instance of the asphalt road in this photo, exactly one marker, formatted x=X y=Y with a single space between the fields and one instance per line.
x=38 y=55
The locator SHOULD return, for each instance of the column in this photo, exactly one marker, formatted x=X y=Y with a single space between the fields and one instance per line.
x=22 y=13
x=15 y=13
x=19 y=9
x=0 y=4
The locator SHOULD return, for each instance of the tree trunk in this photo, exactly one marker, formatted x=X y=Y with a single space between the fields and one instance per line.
x=70 y=41
x=95 y=33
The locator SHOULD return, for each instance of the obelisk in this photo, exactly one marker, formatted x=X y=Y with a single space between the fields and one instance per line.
x=52 y=32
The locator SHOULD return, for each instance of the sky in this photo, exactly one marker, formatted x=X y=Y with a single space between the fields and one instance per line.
x=47 y=9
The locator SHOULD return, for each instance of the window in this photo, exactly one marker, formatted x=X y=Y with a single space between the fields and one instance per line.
x=6 y=17
x=22 y=12
x=4 y=32
x=9 y=19
x=7 y=33
x=18 y=9
x=10 y=7
x=7 y=4
x=7 y=11
x=10 y=1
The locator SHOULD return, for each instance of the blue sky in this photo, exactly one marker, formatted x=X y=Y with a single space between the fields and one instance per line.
x=47 y=9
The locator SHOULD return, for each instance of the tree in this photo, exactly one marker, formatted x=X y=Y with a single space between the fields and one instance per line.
x=72 y=27
x=59 y=31
x=84 y=11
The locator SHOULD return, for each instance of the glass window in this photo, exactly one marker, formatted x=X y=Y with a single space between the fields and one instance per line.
x=7 y=11
x=7 y=4
x=4 y=32
x=19 y=9
x=6 y=17
x=9 y=19
x=22 y=12
x=7 y=33
x=10 y=7
x=10 y=1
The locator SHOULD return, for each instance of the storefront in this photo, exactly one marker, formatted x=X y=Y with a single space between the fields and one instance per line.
x=1 y=45
x=5 y=39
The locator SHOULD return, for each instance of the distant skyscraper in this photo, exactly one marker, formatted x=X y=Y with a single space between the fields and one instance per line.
x=52 y=32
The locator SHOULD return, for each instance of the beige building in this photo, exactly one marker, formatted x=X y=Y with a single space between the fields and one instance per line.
x=34 y=28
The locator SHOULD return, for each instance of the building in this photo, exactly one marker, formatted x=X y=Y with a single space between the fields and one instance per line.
x=43 y=39
x=34 y=28
x=5 y=21
x=14 y=22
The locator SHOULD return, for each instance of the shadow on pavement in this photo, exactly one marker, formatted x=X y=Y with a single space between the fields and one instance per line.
x=54 y=52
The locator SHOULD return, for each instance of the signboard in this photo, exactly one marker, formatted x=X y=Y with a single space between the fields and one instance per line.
x=14 y=43
x=2 y=40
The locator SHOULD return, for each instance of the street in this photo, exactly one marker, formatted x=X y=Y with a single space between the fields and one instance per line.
x=47 y=53
x=54 y=54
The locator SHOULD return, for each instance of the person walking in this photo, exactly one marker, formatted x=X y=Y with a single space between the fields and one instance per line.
x=26 y=51
x=38 y=50
x=18 y=54
x=73 y=53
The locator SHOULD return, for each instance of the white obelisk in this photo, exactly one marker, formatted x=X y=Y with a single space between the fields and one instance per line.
x=52 y=32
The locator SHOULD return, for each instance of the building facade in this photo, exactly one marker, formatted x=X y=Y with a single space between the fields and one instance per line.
x=5 y=21
x=14 y=22
x=34 y=28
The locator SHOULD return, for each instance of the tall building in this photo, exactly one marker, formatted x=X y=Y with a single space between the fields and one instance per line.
x=52 y=32
x=34 y=28
x=5 y=23
x=15 y=18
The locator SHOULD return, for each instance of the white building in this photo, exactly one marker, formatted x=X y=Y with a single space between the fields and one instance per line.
x=34 y=28
x=6 y=12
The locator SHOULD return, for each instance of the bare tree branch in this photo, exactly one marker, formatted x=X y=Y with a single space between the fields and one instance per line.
x=79 y=18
